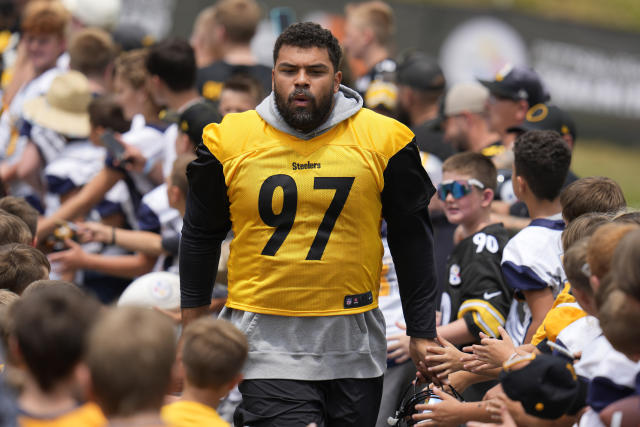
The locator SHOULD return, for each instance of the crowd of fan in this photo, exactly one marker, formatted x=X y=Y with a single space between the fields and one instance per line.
x=538 y=269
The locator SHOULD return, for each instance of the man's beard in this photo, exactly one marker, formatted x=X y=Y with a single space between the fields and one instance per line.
x=304 y=119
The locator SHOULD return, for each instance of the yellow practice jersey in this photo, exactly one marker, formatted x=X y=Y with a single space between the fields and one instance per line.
x=191 y=414
x=306 y=214
x=87 y=415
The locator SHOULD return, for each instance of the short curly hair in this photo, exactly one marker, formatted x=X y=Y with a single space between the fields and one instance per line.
x=306 y=35
x=542 y=158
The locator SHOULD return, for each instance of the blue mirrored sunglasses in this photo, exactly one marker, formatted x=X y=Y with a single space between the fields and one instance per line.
x=457 y=189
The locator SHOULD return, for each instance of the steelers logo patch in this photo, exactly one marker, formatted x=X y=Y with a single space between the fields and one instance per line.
x=454 y=275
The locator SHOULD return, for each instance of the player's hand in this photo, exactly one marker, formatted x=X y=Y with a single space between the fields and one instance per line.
x=398 y=346
x=70 y=260
x=443 y=414
x=444 y=360
x=418 y=351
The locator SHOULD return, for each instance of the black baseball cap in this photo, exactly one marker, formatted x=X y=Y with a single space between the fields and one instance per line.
x=194 y=119
x=547 y=117
x=547 y=387
x=516 y=83
x=419 y=71
x=132 y=36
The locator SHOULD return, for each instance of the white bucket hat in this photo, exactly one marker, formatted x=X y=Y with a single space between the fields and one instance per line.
x=65 y=106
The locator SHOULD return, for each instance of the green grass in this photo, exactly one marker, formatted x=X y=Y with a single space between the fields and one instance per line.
x=597 y=158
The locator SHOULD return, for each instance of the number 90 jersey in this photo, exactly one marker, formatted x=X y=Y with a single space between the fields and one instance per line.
x=306 y=214
x=476 y=290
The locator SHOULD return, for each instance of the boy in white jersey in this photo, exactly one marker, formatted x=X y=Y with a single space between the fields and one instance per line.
x=531 y=261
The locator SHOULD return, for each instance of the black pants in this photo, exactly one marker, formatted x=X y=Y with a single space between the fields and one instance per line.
x=291 y=403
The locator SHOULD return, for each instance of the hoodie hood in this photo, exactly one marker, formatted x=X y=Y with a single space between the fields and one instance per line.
x=347 y=102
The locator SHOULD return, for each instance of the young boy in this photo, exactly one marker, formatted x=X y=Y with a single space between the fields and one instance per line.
x=20 y=265
x=240 y=93
x=47 y=337
x=476 y=298
x=14 y=230
x=531 y=261
x=130 y=356
x=19 y=207
x=213 y=354
x=591 y=194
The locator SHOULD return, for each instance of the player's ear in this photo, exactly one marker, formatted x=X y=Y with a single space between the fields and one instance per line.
x=337 y=79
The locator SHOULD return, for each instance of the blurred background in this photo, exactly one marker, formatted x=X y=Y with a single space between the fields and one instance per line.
x=587 y=52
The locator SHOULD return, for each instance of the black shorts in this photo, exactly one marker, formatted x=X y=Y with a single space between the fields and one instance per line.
x=292 y=403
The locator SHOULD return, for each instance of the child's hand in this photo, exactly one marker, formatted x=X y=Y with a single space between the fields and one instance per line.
x=444 y=360
x=500 y=412
x=443 y=414
x=471 y=363
x=494 y=352
x=70 y=260
x=95 y=232
x=398 y=346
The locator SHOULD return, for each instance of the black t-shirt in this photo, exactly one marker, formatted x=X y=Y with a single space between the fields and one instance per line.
x=210 y=79
x=431 y=141
x=476 y=290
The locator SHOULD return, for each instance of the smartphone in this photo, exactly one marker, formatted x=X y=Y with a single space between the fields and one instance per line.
x=113 y=146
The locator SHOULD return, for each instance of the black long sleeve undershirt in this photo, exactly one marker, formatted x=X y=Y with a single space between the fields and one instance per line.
x=405 y=200
x=206 y=224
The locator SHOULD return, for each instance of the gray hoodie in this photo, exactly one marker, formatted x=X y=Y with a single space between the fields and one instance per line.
x=312 y=348
x=347 y=103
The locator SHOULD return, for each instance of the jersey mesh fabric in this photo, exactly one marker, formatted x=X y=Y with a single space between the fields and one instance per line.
x=316 y=197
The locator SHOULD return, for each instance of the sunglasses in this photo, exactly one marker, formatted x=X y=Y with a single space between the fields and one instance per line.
x=458 y=189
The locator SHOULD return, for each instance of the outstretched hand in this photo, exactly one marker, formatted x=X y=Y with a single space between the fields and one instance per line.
x=442 y=414
x=444 y=360
x=70 y=260
x=491 y=352
x=398 y=345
